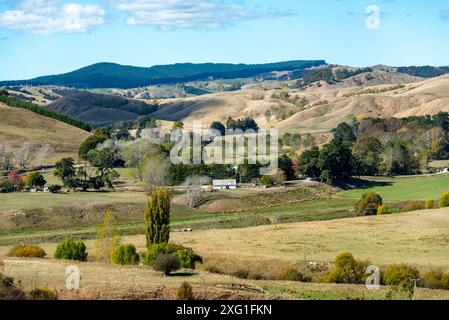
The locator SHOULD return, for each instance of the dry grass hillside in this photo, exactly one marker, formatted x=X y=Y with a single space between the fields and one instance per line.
x=19 y=126
x=378 y=94
x=417 y=238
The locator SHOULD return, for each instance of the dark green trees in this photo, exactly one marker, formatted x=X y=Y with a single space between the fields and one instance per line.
x=335 y=160
x=157 y=218
x=65 y=170
x=308 y=162
x=216 y=125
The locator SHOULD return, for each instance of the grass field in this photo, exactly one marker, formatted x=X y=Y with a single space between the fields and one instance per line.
x=417 y=238
x=182 y=217
x=401 y=188
x=19 y=126
x=14 y=201
x=100 y=281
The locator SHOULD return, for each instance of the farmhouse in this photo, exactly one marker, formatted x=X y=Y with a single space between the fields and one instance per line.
x=224 y=184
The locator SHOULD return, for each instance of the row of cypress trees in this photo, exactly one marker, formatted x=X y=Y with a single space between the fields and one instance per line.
x=16 y=103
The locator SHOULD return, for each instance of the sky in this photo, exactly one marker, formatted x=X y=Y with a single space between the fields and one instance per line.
x=41 y=37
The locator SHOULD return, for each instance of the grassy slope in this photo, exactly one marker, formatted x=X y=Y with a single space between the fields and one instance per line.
x=402 y=188
x=20 y=126
x=101 y=281
x=116 y=282
x=418 y=238
x=14 y=201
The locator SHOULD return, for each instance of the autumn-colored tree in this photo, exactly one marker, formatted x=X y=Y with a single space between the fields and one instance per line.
x=157 y=218
x=15 y=180
x=107 y=238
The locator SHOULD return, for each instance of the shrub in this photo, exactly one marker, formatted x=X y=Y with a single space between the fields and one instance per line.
x=266 y=181
x=398 y=274
x=435 y=279
x=347 y=270
x=187 y=257
x=399 y=277
x=292 y=274
x=55 y=188
x=42 y=294
x=125 y=254
x=27 y=252
x=429 y=204
x=368 y=204
x=2 y=263
x=71 y=250
x=185 y=292
x=412 y=206
x=153 y=252
x=8 y=291
x=444 y=200
x=166 y=263
x=382 y=210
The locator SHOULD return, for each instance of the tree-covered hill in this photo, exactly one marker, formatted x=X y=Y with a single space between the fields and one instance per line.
x=424 y=71
x=111 y=75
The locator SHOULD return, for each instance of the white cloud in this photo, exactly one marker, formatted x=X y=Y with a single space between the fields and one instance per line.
x=47 y=17
x=191 y=14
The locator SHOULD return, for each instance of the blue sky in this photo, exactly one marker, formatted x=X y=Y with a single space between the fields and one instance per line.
x=40 y=37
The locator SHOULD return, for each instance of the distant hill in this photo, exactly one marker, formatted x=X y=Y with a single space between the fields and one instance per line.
x=370 y=94
x=24 y=126
x=99 y=109
x=111 y=75
x=424 y=71
x=17 y=103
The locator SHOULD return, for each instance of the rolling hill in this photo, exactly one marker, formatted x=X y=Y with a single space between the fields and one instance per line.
x=378 y=93
x=20 y=126
x=111 y=75
x=99 y=109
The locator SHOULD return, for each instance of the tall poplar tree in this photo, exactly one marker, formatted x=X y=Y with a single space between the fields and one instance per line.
x=157 y=218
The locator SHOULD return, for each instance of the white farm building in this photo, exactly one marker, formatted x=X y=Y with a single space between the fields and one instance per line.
x=224 y=184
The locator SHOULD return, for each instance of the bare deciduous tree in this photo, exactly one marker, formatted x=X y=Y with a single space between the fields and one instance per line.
x=136 y=155
x=193 y=191
x=7 y=160
x=156 y=173
x=24 y=155
x=43 y=152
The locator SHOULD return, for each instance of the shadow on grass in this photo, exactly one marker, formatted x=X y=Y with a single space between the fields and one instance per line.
x=183 y=274
x=356 y=183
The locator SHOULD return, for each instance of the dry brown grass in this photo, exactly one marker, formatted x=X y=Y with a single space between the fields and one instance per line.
x=416 y=98
x=19 y=126
x=100 y=281
x=418 y=238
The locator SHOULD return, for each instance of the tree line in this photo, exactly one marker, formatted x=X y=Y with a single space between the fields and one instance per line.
x=16 y=103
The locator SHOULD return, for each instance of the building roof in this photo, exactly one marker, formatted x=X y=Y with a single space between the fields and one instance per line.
x=229 y=182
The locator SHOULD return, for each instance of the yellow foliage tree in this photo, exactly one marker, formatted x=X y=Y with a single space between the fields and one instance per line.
x=107 y=238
